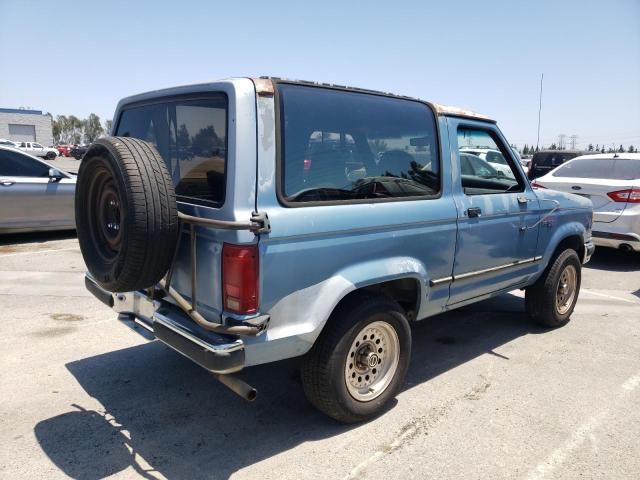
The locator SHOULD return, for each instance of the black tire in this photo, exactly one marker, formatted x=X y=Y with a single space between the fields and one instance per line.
x=323 y=371
x=541 y=299
x=126 y=214
x=51 y=156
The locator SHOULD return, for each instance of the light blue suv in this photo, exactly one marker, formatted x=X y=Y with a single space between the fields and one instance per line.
x=251 y=220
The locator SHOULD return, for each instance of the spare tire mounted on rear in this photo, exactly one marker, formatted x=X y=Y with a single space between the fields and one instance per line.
x=126 y=214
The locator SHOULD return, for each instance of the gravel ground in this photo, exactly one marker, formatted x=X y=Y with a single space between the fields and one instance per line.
x=488 y=395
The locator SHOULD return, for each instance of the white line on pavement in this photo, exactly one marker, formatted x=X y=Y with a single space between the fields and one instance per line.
x=591 y=292
x=584 y=431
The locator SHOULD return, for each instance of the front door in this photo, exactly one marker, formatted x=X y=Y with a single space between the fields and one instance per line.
x=497 y=215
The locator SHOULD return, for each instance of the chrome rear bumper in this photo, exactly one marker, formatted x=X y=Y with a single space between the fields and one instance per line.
x=215 y=352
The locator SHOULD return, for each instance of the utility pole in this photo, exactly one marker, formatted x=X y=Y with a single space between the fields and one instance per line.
x=561 y=138
x=574 y=141
x=539 y=110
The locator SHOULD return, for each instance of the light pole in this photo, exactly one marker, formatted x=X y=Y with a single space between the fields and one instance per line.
x=539 y=111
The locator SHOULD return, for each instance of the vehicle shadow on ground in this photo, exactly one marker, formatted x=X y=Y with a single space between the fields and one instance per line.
x=36 y=237
x=614 y=260
x=160 y=407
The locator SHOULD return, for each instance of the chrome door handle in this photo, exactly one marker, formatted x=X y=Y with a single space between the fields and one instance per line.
x=6 y=182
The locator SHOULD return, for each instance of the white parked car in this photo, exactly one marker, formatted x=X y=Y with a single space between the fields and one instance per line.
x=612 y=183
x=34 y=148
x=494 y=157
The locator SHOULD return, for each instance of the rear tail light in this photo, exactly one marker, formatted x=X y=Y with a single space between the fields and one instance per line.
x=631 y=195
x=240 y=278
x=535 y=184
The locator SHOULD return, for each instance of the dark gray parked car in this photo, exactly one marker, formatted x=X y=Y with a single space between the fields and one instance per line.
x=34 y=195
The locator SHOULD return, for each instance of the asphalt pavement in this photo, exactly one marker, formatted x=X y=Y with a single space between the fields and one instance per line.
x=488 y=394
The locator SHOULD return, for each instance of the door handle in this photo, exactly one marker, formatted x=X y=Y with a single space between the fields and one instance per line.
x=474 y=212
x=6 y=183
x=522 y=200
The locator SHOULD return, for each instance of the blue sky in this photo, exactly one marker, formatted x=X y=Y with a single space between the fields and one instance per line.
x=77 y=57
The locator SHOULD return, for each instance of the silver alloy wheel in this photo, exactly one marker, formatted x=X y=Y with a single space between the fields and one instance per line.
x=566 y=291
x=372 y=361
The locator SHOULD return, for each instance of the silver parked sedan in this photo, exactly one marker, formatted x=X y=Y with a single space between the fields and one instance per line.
x=34 y=195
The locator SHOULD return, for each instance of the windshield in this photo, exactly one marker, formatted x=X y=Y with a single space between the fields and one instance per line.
x=605 y=168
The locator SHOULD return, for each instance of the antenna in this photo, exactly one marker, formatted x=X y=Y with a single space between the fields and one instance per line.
x=539 y=111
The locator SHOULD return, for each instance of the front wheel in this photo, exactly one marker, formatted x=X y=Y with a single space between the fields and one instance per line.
x=551 y=300
x=359 y=362
x=51 y=156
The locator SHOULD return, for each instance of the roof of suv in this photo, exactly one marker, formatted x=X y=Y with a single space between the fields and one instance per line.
x=440 y=109
x=264 y=85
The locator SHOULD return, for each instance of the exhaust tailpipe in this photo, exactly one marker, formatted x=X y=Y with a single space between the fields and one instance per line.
x=237 y=386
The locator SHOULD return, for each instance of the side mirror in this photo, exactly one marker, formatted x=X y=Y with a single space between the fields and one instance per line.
x=55 y=175
x=501 y=173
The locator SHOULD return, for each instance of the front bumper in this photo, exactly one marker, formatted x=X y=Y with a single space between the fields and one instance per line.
x=589 y=248
x=215 y=352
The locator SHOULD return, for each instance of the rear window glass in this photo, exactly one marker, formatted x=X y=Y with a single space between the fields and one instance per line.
x=552 y=159
x=339 y=145
x=191 y=136
x=605 y=168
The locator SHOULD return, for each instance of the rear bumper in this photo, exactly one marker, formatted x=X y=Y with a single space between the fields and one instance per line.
x=617 y=240
x=169 y=324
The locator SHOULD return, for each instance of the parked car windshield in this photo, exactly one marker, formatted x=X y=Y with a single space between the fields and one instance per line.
x=191 y=136
x=340 y=145
x=605 y=168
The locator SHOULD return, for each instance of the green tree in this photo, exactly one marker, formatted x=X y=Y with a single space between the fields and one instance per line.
x=620 y=149
x=108 y=125
x=590 y=147
x=553 y=146
x=602 y=150
x=92 y=128
x=631 y=149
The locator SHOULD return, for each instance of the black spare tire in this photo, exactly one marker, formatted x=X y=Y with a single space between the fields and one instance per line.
x=126 y=214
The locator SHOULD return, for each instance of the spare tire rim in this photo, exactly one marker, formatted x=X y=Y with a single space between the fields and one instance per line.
x=372 y=361
x=566 y=291
x=105 y=221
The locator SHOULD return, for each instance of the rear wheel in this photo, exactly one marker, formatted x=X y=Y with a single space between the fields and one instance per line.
x=51 y=156
x=359 y=362
x=551 y=300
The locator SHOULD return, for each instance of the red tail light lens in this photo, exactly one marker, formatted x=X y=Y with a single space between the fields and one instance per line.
x=240 y=278
x=631 y=195
x=535 y=184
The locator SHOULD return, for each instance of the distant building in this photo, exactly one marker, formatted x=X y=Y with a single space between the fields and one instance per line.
x=21 y=125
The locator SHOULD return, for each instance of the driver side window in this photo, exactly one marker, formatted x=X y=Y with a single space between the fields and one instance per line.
x=485 y=165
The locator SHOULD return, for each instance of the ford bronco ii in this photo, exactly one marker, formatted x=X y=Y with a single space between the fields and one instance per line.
x=251 y=220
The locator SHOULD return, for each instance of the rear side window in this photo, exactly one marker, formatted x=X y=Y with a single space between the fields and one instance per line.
x=348 y=146
x=191 y=136
x=605 y=168
x=13 y=164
